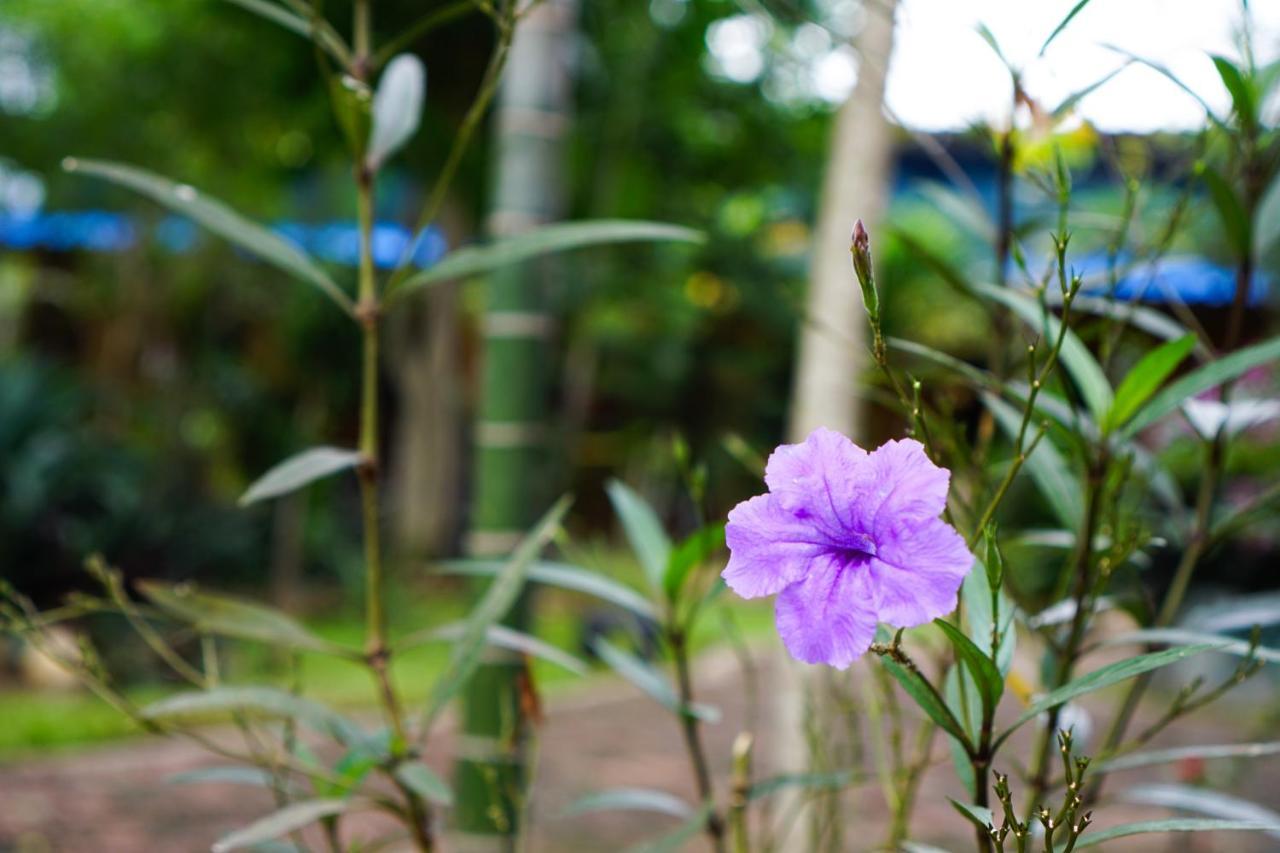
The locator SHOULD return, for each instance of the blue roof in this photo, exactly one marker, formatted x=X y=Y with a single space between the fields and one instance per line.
x=1190 y=279
x=104 y=231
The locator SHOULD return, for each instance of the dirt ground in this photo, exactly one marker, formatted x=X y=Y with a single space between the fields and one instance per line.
x=115 y=799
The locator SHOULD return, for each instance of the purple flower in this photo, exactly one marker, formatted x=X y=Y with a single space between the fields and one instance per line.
x=847 y=539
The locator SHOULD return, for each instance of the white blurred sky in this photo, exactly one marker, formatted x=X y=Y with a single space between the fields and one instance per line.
x=943 y=75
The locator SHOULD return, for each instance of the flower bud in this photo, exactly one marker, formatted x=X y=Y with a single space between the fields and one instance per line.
x=862 y=267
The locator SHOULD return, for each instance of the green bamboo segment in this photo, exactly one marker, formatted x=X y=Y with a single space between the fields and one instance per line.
x=510 y=482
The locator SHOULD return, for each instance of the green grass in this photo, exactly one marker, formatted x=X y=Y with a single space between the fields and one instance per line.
x=37 y=722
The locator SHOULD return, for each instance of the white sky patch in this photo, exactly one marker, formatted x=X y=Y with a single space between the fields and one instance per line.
x=943 y=76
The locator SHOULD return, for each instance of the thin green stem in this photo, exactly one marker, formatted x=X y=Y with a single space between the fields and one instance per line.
x=715 y=828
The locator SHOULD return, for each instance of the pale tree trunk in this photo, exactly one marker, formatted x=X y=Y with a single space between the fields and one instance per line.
x=510 y=482
x=813 y=711
x=424 y=354
x=856 y=184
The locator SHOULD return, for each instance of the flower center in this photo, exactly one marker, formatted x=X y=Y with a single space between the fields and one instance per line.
x=857 y=547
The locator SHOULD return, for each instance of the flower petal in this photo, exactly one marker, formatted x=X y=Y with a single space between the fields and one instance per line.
x=769 y=547
x=904 y=485
x=828 y=616
x=819 y=478
x=917 y=572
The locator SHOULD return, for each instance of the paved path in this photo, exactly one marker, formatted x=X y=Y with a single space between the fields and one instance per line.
x=115 y=800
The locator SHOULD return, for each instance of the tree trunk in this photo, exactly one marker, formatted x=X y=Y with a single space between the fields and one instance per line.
x=832 y=352
x=509 y=474
x=829 y=369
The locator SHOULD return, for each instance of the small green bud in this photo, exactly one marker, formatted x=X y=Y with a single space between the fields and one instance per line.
x=862 y=267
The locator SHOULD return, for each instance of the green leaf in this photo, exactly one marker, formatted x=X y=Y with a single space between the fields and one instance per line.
x=1146 y=376
x=692 y=552
x=1104 y=677
x=420 y=779
x=350 y=771
x=560 y=237
x=982 y=668
x=1182 y=753
x=1202 y=379
x=1235 y=222
x=1266 y=219
x=990 y=38
x=397 y=107
x=630 y=799
x=807 y=781
x=644 y=531
x=650 y=681
x=1140 y=317
x=927 y=700
x=564 y=576
x=502 y=637
x=260 y=701
x=299 y=470
x=327 y=37
x=497 y=600
x=219 y=219
x=1046 y=466
x=1177 y=824
x=680 y=837
x=1064 y=108
x=233 y=617
x=1243 y=101
x=1062 y=25
x=229 y=775
x=291 y=817
x=1074 y=355
x=1225 y=645
x=1201 y=801
x=979 y=816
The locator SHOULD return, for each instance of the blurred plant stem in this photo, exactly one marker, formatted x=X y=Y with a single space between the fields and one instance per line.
x=368 y=314
x=715 y=826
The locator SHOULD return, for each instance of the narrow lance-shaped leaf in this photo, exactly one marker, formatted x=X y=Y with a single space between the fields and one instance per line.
x=497 y=600
x=502 y=637
x=805 y=781
x=979 y=816
x=1176 y=754
x=692 y=552
x=1062 y=25
x=927 y=700
x=1243 y=101
x=1104 y=677
x=229 y=775
x=397 y=107
x=232 y=617
x=983 y=669
x=1225 y=200
x=649 y=680
x=1048 y=469
x=219 y=219
x=292 y=817
x=630 y=799
x=1074 y=355
x=420 y=779
x=679 y=838
x=1176 y=824
x=564 y=576
x=262 y=701
x=1226 y=645
x=305 y=27
x=644 y=531
x=1202 y=379
x=541 y=241
x=1146 y=376
x=299 y=470
x=1200 y=801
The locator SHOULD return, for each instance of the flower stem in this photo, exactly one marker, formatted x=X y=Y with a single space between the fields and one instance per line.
x=693 y=739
